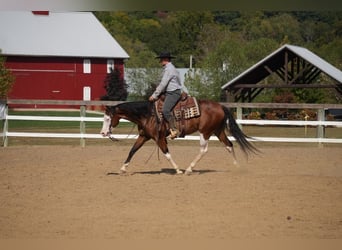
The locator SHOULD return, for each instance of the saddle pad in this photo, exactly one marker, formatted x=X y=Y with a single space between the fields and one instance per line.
x=185 y=108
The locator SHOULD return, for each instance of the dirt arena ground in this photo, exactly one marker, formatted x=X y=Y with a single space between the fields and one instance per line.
x=60 y=192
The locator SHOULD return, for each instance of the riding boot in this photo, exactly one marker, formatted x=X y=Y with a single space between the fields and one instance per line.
x=173 y=129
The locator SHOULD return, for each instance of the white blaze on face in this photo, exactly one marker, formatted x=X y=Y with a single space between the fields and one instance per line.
x=106 y=125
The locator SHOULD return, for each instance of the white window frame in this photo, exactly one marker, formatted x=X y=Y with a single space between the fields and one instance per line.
x=110 y=65
x=86 y=66
x=86 y=93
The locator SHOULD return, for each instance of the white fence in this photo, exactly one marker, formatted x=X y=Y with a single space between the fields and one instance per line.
x=320 y=123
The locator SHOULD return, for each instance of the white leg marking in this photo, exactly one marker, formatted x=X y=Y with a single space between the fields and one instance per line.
x=123 y=169
x=203 y=150
x=231 y=150
x=173 y=163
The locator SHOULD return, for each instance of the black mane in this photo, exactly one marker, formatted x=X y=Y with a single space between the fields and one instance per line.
x=139 y=109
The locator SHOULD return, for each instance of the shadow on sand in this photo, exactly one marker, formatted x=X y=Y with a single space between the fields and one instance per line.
x=168 y=171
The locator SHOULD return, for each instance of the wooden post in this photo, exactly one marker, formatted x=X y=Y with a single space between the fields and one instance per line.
x=320 y=128
x=5 y=127
x=286 y=67
x=239 y=115
x=82 y=125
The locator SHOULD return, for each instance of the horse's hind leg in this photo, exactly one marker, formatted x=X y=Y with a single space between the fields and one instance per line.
x=229 y=145
x=203 y=150
x=138 y=143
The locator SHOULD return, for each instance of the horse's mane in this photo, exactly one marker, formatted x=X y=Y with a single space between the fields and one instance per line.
x=138 y=109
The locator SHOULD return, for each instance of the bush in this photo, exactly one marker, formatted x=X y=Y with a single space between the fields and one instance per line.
x=6 y=79
x=115 y=87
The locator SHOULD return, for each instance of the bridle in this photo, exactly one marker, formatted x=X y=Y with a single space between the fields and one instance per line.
x=157 y=127
x=112 y=138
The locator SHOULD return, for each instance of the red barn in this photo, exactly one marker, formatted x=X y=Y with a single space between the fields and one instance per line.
x=57 y=55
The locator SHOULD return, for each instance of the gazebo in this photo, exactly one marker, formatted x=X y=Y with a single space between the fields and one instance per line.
x=296 y=67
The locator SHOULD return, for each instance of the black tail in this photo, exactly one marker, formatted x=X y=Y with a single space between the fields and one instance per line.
x=237 y=133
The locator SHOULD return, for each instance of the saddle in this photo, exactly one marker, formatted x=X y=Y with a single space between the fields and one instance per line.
x=185 y=109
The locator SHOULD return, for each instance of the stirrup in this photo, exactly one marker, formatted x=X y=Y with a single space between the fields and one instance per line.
x=173 y=134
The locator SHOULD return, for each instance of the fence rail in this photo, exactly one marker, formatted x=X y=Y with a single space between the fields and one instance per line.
x=320 y=123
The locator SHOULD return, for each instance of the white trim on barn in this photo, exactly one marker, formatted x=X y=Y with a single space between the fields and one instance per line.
x=86 y=66
x=110 y=65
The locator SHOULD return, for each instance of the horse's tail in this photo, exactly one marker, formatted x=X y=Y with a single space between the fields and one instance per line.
x=237 y=133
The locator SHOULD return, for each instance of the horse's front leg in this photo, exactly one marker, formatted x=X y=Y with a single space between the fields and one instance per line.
x=138 y=143
x=203 y=150
x=163 y=146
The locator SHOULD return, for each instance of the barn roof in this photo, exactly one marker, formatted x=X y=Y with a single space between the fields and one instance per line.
x=71 y=34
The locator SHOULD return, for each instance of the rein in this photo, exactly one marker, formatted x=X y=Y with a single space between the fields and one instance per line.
x=113 y=139
x=158 y=124
x=157 y=128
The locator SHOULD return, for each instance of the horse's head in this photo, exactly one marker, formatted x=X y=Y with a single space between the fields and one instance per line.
x=110 y=120
x=136 y=112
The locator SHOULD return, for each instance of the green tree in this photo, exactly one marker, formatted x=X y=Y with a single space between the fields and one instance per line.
x=257 y=49
x=224 y=63
x=165 y=39
x=143 y=82
x=217 y=40
x=283 y=26
x=248 y=24
x=310 y=95
x=6 y=79
x=210 y=37
x=115 y=86
x=332 y=52
x=187 y=27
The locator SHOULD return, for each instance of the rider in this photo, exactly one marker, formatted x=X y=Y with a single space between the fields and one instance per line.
x=171 y=85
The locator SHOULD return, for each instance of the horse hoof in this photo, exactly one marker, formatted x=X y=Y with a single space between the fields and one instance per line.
x=122 y=172
x=187 y=172
x=179 y=172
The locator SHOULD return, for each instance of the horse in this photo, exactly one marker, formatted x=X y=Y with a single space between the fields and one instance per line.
x=214 y=119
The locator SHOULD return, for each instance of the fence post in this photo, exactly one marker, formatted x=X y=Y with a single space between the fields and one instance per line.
x=239 y=115
x=82 y=124
x=5 y=126
x=320 y=128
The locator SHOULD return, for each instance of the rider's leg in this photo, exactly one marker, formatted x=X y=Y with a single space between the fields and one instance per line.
x=170 y=101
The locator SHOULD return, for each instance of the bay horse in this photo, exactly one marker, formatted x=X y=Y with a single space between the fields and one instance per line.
x=214 y=119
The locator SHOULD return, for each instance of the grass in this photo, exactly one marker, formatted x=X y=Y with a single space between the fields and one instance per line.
x=291 y=131
x=55 y=126
x=58 y=127
x=48 y=124
x=128 y=128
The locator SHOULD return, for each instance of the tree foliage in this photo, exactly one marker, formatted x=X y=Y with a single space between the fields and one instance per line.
x=115 y=86
x=222 y=43
x=145 y=81
x=6 y=79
